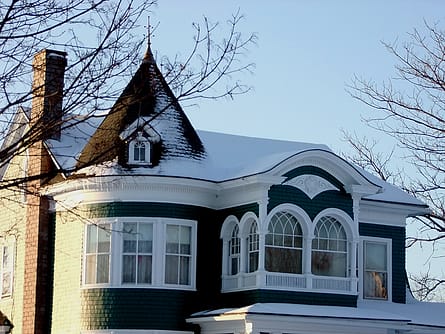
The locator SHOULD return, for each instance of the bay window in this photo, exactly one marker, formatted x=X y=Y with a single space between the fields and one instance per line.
x=143 y=252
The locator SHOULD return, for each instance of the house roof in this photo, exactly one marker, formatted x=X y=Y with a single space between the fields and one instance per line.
x=94 y=144
x=147 y=97
x=19 y=124
x=414 y=314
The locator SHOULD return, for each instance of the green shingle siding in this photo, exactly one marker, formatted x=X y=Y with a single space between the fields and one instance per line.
x=397 y=235
x=313 y=171
x=243 y=298
x=280 y=194
x=136 y=309
x=239 y=211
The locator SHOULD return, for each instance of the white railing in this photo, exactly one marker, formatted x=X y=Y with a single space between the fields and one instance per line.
x=291 y=282
x=331 y=283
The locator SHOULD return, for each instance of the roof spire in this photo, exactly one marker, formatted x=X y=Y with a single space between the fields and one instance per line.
x=148 y=57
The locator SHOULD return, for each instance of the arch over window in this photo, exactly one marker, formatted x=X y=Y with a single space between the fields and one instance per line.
x=329 y=248
x=234 y=251
x=284 y=244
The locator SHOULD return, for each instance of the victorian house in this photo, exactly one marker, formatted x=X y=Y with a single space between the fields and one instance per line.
x=166 y=229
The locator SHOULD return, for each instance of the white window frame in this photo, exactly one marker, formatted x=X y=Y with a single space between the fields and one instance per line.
x=329 y=250
x=388 y=243
x=9 y=269
x=131 y=146
x=158 y=253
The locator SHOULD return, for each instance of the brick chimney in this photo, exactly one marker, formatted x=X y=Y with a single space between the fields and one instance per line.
x=49 y=69
x=46 y=116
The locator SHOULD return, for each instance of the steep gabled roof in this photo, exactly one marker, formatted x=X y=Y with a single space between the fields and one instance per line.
x=147 y=96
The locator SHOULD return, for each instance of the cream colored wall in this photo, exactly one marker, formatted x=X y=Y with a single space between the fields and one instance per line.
x=12 y=229
x=67 y=273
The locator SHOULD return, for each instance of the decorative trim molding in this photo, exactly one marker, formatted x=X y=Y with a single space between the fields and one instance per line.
x=311 y=185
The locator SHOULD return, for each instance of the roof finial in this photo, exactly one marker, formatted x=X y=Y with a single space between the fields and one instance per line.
x=148 y=33
x=148 y=57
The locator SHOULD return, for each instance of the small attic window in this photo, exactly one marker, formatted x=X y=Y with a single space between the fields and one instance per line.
x=141 y=140
x=139 y=150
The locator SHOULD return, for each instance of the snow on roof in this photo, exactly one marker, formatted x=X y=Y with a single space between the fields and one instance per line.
x=416 y=313
x=227 y=157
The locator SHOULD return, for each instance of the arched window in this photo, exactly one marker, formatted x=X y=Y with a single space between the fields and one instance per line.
x=253 y=244
x=234 y=251
x=284 y=244
x=139 y=151
x=329 y=248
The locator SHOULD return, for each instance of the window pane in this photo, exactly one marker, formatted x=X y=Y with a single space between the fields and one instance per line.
x=184 y=274
x=375 y=256
x=172 y=239
x=283 y=260
x=375 y=285
x=129 y=269
x=103 y=236
x=171 y=269
x=130 y=233
x=91 y=245
x=329 y=264
x=6 y=284
x=144 y=269
x=90 y=269
x=253 y=262
x=102 y=268
x=145 y=238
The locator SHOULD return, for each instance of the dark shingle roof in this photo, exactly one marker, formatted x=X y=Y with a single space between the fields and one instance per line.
x=148 y=97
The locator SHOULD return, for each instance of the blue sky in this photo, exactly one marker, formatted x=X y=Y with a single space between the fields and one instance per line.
x=306 y=55
x=307 y=52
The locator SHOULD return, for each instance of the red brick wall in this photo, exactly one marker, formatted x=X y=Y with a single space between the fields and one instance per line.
x=46 y=115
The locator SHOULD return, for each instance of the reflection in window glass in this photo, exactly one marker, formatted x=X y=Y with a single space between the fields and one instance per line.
x=137 y=253
x=375 y=270
x=178 y=254
x=329 y=248
x=97 y=258
x=284 y=244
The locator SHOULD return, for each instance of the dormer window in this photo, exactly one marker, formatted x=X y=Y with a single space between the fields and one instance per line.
x=140 y=138
x=139 y=151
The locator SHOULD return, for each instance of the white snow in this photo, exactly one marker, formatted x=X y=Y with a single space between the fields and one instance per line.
x=227 y=157
x=416 y=313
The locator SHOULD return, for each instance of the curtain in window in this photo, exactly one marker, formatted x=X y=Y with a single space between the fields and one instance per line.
x=284 y=244
x=137 y=253
x=375 y=270
x=329 y=248
x=97 y=260
x=178 y=254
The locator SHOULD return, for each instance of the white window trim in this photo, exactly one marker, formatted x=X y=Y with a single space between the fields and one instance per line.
x=305 y=281
x=11 y=245
x=132 y=143
x=158 y=254
x=361 y=268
